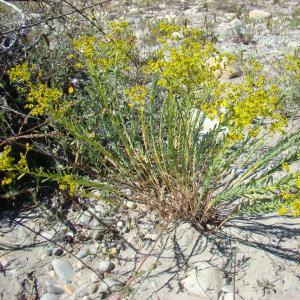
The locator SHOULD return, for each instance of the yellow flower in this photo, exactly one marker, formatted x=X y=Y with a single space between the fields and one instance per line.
x=136 y=95
x=71 y=90
x=285 y=167
x=283 y=211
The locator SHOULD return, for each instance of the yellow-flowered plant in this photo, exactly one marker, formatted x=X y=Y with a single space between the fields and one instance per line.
x=10 y=168
x=102 y=53
x=292 y=65
x=170 y=123
x=68 y=183
x=40 y=98
x=136 y=95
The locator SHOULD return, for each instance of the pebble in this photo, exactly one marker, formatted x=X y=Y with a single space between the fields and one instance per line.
x=54 y=289
x=131 y=204
x=79 y=265
x=93 y=288
x=69 y=237
x=52 y=274
x=125 y=229
x=106 y=266
x=58 y=251
x=233 y=71
x=258 y=14
x=49 y=252
x=83 y=253
x=63 y=269
x=49 y=282
x=69 y=288
x=114 y=251
x=49 y=297
x=227 y=289
x=120 y=224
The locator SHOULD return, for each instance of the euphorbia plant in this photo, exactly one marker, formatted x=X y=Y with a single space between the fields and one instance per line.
x=188 y=144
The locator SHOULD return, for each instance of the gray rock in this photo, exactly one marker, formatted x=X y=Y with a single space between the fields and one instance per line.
x=227 y=289
x=54 y=289
x=49 y=281
x=111 y=285
x=100 y=208
x=258 y=14
x=63 y=269
x=58 y=251
x=49 y=297
x=106 y=266
x=230 y=30
x=49 y=252
x=83 y=253
x=233 y=71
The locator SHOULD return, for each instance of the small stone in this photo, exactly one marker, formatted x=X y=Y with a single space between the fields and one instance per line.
x=49 y=252
x=150 y=236
x=54 y=289
x=231 y=72
x=104 y=250
x=86 y=298
x=79 y=265
x=49 y=282
x=49 y=297
x=114 y=251
x=227 y=289
x=125 y=229
x=69 y=288
x=131 y=204
x=63 y=269
x=52 y=274
x=120 y=224
x=106 y=266
x=58 y=251
x=258 y=14
x=69 y=237
x=93 y=288
x=83 y=253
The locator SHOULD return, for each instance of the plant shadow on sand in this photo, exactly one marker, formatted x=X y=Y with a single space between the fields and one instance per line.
x=244 y=252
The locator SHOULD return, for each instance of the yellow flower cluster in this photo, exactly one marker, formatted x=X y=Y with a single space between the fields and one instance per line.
x=136 y=95
x=181 y=59
x=240 y=104
x=7 y=166
x=102 y=54
x=67 y=183
x=291 y=196
x=10 y=168
x=40 y=98
x=292 y=65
